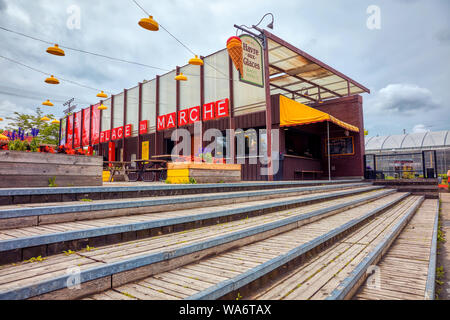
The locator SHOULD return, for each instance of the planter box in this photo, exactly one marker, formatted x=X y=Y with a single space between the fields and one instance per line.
x=180 y=172
x=20 y=169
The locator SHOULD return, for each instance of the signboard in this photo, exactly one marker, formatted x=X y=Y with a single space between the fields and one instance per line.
x=77 y=130
x=86 y=126
x=69 y=131
x=210 y=111
x=95 y=124
x=143 y=127
x=343 y=146
x=116 y=133
x=253 y=71
x=145 y=150
x=62 y=140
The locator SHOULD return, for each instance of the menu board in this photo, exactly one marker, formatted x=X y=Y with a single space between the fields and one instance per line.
x=340 y=146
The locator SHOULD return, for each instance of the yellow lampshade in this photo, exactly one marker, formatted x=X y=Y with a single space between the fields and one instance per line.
x=57 y=51
x=52 y=80
x=47 y=103
x=181 y=77
x=102 y=107
x=149 y=24
x=1 y=119
x=45 y=118
x=102 y=95
x=55 y=121
x=196 y=61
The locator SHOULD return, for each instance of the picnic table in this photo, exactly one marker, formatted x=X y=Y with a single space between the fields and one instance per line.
x=148 y=170
x=116 y=167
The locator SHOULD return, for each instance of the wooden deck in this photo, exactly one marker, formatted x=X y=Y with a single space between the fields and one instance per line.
x=404 y=271
x=26 y=273
x=191 y=279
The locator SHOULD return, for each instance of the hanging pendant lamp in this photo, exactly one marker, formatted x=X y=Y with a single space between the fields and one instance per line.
x=47 y=103
x=52 y=80
x=196 y=61
x=57 y=51
x=102 y=107
x=181 y=77
x=102 y=95
x=149 y=24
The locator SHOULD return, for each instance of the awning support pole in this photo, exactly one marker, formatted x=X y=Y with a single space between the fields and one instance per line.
x=328 y=150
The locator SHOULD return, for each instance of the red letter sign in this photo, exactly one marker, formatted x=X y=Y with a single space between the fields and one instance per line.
x=222 y=108
x=107 y=133
x=208 y=111
x=119 y=131
x=171 y=120
x=182 y=117
x=114 y=134
x=194 y=114
x=161 y=122
x=128 y=130
x=143 y=127
x=102 y=136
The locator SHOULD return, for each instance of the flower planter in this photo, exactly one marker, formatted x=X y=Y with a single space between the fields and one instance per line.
x=189 y=172
x=35 y=169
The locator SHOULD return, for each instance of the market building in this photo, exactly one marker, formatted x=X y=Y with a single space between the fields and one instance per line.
x=316 y=111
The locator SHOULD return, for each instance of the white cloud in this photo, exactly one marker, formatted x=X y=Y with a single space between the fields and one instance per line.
x=420 y=128
x=404 y=98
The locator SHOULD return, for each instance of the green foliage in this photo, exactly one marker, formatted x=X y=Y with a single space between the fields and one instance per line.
x=48 y=133
x=192 y=181
x=86 y=200
x=37 y=259
x=239 y=297
x=51 y=182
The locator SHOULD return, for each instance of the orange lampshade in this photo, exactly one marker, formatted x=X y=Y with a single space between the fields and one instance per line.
x=149 y=24
x=47 y=103
x=196 y=61
x=55 y=121
x=52 y=80
x=45 y=118
x=57 y=51
x=102 y=95
x=181 y=77
x=102 y=107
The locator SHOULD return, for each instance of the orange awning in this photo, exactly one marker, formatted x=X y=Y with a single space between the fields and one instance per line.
x=293 y=113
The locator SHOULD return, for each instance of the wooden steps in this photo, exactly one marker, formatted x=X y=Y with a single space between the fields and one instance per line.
x=407 y=270
x=53 y=238
x=236 y=263
x=9 y=196
x=124 y=263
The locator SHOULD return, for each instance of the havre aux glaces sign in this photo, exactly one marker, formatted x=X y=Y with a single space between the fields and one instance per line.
x=253 y=71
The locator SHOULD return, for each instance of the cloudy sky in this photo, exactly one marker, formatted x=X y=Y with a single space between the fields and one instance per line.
x=405 y=63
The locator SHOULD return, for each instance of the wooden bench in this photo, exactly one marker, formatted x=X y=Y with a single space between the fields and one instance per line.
x=302 y=172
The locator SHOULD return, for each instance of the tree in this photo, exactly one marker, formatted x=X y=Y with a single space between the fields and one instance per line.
x=48 y=133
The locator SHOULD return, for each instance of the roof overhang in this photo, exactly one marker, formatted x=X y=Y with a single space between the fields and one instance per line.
x=301 y=77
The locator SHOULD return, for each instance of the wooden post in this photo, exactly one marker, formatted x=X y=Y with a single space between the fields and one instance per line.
x=125 y=94
x=138 y=155
x=268 y=111
x=156 y=117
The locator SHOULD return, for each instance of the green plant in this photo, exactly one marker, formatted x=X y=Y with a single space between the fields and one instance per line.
x=37 y=259
x=51 y=182
x=167 y=181
x=69 y=252
x=239 y=296
x=439 y=275
x=86 y=200
x=192 y=181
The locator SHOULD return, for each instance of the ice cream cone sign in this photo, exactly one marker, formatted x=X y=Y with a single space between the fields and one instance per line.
x=234 y=47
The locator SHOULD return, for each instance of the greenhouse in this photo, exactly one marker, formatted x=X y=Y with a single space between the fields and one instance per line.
x=409 y=155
